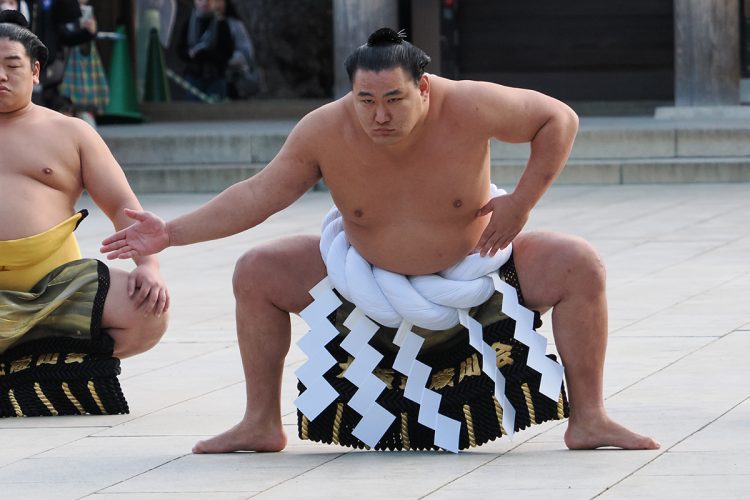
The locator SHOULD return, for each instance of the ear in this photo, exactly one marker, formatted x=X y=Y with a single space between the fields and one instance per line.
x=35 y=72
x=424 y=86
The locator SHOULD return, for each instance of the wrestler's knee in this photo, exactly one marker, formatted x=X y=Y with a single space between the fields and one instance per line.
x=252 y=268
x=586 y=265
x=141 y=335
x=152 y=329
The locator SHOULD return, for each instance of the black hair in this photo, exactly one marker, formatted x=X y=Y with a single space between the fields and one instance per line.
x=387 y=49
x=15 y=27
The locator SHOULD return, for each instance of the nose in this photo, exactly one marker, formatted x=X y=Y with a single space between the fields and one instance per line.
x=381 y=115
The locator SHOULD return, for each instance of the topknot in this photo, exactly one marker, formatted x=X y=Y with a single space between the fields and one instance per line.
x=386 y=36
x=13 y=17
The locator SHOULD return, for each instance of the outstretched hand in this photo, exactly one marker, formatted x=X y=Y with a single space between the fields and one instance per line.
x=507 y=220
x=147 y=236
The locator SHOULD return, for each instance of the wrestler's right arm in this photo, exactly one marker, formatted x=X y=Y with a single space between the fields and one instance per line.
x=246 y=204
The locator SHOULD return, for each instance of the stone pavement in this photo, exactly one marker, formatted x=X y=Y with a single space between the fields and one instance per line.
x=679 y=290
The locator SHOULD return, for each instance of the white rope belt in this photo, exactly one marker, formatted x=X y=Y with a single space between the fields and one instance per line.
x=429 y=301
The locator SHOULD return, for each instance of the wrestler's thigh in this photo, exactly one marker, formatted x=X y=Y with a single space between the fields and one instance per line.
x=550 y=264
x=120 y=310
x=283 y=271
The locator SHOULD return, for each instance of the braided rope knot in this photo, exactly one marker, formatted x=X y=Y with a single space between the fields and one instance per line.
x=429 y=301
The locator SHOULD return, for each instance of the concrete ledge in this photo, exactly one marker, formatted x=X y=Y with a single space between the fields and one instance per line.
x=713 y=142
x=637 y=171
x=702 y=112
x=188 y=178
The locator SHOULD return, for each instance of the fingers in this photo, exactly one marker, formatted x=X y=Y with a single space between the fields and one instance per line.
x=491 y=243
x=118 y=237
x=131 y=284
x=486 y=209
x=122 y=254
x=150 y=299
x=141 y=298
x=139 y=215
x=162 y=303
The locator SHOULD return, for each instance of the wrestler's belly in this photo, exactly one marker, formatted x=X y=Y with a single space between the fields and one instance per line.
x=30 y=212
x=24 y=261
x=416 y=248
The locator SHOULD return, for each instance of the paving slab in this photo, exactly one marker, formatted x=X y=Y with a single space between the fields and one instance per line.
x=679 y=282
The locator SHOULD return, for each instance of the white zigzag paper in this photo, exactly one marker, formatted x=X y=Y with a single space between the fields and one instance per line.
x=447 y=430
x=489 y=367
x=318 y=393
x=551 y=371
x=375 y=419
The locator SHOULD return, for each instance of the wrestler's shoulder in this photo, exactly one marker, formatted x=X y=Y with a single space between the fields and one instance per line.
x=456 y=93
x=62 y=124
x=327 y=115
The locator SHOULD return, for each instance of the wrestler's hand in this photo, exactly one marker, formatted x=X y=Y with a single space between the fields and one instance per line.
x=507 y=220
x=147 y=236
x=147 y=288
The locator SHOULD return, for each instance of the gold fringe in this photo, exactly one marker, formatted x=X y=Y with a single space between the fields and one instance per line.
x=94 y=395
x=469 y=425
x=47 y=359
x=469 y=367
x=405 y=431
x=74 y=357
x=442 y=378
x=72 y=398
x=499 y=413
x=303 y=427
x=560 y=407
x=337 y=423
x=502 y=354
x=43 y=398
x=16 y=406
x=529 y=402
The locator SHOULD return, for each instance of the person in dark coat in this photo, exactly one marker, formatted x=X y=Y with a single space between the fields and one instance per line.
x=205 y=45
x=57 y=24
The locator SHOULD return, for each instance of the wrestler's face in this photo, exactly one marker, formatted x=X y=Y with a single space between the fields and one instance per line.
x=389 y=104
x=17 y=76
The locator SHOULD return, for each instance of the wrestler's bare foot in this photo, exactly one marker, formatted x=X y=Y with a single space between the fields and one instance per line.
x=245 y=437
x=602 y=431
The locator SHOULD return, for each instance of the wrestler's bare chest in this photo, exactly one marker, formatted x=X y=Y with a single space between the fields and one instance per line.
x=40 y=180
x=439 y=179
x=413 y=212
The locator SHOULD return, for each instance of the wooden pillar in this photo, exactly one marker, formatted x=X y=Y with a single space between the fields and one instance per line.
x=353 y=21
x=425 y=30
x=707 y=52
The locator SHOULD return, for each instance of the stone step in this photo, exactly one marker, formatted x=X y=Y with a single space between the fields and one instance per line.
x=200 y=178
x=209 y=156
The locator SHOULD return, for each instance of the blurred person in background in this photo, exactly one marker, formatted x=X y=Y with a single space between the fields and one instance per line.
x=20 y=5
x=84 y=80
x=57 y=24
x=205 y=44
x=243 y=75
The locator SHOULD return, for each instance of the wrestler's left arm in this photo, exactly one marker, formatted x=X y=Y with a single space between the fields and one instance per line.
x=107 y=185
x=519 y=115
